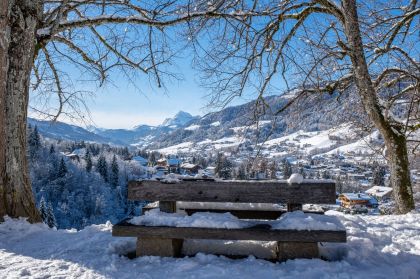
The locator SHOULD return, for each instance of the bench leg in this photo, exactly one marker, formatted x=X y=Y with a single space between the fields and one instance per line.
x=162 y=247
x=294 y=250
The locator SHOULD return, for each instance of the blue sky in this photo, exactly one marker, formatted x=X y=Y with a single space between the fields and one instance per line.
x=121 y=105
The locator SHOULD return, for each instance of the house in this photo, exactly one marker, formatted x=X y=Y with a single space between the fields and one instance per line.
x=350 y=200
x=380 y=192
x=162 y=162
x=190 y=169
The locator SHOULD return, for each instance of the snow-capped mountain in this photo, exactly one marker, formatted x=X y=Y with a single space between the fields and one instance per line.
x=321 y=119
x=179 y=120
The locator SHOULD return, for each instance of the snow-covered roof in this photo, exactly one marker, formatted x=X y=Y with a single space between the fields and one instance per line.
x=379 y=191
x=188 y=166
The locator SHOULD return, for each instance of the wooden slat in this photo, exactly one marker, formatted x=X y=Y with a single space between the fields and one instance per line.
x=234 y=191
x=248 y=214
x=260 y=233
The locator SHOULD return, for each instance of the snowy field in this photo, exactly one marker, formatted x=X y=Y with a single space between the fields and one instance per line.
x=377 y=247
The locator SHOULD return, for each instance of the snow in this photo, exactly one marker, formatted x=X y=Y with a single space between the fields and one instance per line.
x=288 y=221
x=182 y=147
x=377 y=247
x=379 y=191
x=215 y=124
x=192 y=127
x=298 y=220
x=155 y=217
x=295 y=178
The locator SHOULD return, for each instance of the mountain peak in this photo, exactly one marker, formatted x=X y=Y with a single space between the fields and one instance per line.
x=180 y=119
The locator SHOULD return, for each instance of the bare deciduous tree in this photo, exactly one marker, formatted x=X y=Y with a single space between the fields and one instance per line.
x=324 y=47
x=93 y=36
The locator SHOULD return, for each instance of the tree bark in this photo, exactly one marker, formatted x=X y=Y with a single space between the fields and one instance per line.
x=16 y=198
x=395 y=140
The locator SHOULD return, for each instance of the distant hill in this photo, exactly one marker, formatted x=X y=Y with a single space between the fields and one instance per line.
x=63 y=131
x=232 y=127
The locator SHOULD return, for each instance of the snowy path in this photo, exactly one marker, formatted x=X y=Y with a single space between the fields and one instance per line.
x=377 y=247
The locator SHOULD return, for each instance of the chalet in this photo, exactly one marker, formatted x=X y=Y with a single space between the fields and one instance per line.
x=191 y=169
x=350 y=200
x=380 y=192
x=162 y=162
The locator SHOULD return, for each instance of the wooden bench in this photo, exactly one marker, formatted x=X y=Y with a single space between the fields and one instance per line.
x=291 y=243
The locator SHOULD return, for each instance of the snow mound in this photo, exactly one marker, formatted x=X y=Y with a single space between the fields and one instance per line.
x=290 y=221
x=295 y=178
x=155 y=217
x=298 y=220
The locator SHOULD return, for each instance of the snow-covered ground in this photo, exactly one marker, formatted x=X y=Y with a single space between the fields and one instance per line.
x=377 y=247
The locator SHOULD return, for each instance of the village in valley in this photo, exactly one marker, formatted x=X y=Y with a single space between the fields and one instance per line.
x=362 y=178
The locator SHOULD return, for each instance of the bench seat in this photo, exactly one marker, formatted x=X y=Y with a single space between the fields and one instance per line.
x=260 y=232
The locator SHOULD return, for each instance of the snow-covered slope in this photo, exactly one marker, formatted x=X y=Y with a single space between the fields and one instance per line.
x=377 y=247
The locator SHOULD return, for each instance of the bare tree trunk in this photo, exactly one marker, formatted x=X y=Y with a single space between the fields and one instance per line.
x=4 y=47
x=395 y=140
x=17 y=197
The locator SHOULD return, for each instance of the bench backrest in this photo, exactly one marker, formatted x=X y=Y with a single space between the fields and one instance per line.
x=310 y=191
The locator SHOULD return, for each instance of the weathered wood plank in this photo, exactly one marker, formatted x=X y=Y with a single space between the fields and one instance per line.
x=162 y=247
x=254 y=233
x=234 y=191
x=248 y=214
x=294 y=250
x=167 y=206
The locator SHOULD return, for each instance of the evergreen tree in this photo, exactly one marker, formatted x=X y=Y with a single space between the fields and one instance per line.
x=62 y=169
x=225 y=171
x=287 y=169
x=50 y=220
x=52 y=149
x=43 y=210
x=378 y=174
x=102 y=167
x=88 y=159
x=34 y=142
x=114 y=172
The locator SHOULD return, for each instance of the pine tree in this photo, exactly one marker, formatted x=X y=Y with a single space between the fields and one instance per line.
x=43 y=210
x=34 y=142
x=114 y=172
x=62 y=169
x=50 y=220
x=88 y=159
x=102 y=167
x=219 y=163
x=52 y=149
x=225 y=171
x=378 y=174
x=287 y=169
